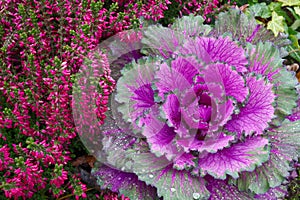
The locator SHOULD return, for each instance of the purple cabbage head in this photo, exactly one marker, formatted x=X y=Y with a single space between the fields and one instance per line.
x=202 y=115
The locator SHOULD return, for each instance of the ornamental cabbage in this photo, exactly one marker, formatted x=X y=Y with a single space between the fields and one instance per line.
x=199 y=113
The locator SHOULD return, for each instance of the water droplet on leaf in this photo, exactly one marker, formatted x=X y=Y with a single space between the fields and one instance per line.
x=196 y=195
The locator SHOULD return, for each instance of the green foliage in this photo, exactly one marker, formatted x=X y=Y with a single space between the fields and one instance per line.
x=290 y=2
x=276 y=24
x=282 y=16
x=260 y=10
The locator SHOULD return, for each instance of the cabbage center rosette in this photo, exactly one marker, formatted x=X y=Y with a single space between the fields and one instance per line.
x=198 y=107
x=202 y=114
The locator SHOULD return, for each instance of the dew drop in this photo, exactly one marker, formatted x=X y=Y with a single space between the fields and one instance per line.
x=259 y=184
x=195 y=120
x=236 y=111
x=151 y=176
x=196 y=195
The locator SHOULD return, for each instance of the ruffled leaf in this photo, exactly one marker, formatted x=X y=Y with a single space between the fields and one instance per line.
x=233 y=83
x=191 y=26
x=112 y=141
x=160 y=137
x=285 y=147
x=195 y=116
x=123 y=150
x=190 y=49
x=177 y=77
x=286 y=93
x=124 y=183
x=258 y=111
x=271 y=174
x=221 y=111
x=221 y=114
x=264 y=59
x=273 y=194
x=161 y=41
x=214 y=144
x=130 y=155
x=222 y=190
x=184 y=161
x=176 y=185
x=114 y=152
x=134 y=90
x=147 y=162
x=186 y=67
x=172 y=111
x=286 y=139
x=243 y=156
x=215 y=105
x=217 y=50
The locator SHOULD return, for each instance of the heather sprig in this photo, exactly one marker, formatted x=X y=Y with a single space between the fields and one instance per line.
x=43 y=44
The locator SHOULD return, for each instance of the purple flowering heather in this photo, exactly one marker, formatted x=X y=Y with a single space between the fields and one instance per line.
x=202 y=115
